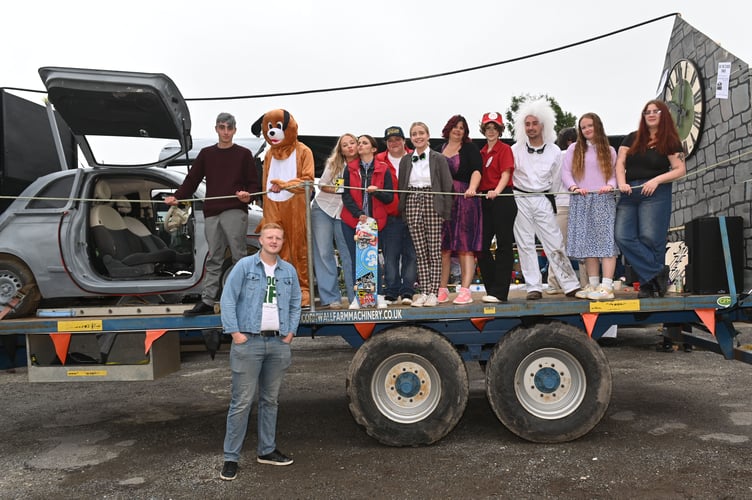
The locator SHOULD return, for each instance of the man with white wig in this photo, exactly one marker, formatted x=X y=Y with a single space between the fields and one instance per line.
x=536 y=160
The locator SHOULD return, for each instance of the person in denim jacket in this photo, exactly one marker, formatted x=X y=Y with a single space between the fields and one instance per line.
x=261 y=304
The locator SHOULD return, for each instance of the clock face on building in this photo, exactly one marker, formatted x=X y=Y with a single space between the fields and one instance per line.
x=684 y=96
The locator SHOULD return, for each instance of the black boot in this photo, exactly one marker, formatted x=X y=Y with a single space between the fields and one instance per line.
x=661 y=281
x=647 y=290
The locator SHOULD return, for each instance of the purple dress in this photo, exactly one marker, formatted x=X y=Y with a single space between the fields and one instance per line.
x=463 y=233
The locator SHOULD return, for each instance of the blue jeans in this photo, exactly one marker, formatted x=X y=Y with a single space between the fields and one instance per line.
x=326 y=232
x=400 y=267
x=262 y=362
x=642 y=227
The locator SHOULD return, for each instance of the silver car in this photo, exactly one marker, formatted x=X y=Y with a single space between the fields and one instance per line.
x=102 y=232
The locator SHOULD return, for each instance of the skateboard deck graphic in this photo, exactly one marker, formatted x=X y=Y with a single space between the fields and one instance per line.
x=366 y=262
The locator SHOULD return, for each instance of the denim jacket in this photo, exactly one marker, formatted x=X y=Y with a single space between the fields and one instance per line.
x=243 y=296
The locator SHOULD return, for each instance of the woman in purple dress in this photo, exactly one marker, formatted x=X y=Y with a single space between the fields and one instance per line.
x=462 y=234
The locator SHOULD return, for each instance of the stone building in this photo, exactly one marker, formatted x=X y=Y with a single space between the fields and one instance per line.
x=719 y=170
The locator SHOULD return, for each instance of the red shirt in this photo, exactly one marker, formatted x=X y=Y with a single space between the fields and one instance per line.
x=495 y=162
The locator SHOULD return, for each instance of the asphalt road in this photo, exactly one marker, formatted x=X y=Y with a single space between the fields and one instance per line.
x=679 y=426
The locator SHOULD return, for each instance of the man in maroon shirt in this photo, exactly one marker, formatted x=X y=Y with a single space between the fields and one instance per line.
x=231 y=176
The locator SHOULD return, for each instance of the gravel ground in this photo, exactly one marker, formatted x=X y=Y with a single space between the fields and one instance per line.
x=679 y=426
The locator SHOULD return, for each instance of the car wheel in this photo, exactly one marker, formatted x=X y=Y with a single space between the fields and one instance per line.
x=15 y=277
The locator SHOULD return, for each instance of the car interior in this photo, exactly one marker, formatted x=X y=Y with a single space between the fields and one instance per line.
x=127 y=236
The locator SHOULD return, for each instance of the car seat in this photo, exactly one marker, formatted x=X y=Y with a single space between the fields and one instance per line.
x=123 y=253
x=149 y=240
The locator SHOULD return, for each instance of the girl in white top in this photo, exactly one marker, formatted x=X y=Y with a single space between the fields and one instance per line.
x=327 y=228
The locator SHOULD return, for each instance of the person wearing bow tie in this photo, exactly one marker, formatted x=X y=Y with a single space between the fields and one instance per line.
x=537 y=160
x=425 y=176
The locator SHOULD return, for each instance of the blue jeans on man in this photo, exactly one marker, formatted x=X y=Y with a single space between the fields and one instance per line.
x=641 y=229
x=400 y=267
x=265 y=359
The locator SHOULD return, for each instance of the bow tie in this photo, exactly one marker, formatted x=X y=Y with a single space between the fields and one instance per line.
x=533 y=150
x=422 y=156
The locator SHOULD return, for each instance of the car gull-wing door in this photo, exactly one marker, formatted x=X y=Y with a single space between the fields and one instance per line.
x=103 y=106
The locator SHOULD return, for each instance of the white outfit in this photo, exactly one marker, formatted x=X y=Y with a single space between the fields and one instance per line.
x=536 y=173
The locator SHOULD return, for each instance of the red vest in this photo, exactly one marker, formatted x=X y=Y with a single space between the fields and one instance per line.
x=378 y=209
x=393 y=208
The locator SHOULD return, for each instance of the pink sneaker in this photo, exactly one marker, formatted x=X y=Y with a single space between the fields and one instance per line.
x=443 y=295
x=463 y=297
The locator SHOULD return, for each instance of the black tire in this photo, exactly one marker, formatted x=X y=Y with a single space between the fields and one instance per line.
x=433 y=392
x=227 y=265
x=14 y=275
x=550 y=383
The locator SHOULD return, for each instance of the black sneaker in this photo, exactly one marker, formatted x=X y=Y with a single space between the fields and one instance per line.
x=198 y=309
x=229 y=471
x=274 y=458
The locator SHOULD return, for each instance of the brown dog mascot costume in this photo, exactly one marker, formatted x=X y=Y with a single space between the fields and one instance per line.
x=287 y=165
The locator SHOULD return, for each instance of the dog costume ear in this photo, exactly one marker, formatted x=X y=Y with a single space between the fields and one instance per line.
x=285 y=119
x=256 y=126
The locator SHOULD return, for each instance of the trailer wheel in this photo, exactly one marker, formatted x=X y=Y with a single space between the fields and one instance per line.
x=549 y=383
x=14 y=275
x=407 y=387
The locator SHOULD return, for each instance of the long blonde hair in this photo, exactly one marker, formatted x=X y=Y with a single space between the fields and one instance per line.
x=336 y=161
x=602 y=147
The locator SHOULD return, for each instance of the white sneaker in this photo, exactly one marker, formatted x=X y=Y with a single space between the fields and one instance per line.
x=554 y=291
x=354 y=304
x=601 y=293
x=490 y=299
x=407 y=301
x=380 y=302
x=431 y=301
x=419 y=300
x=583 y=292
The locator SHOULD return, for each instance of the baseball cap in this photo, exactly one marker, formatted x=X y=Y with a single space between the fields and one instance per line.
x=491 y=117
x=394 y=131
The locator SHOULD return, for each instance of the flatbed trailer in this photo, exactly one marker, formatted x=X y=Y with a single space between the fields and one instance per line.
x=547 y=378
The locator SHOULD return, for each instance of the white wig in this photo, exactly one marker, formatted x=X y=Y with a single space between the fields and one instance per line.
x=541 y=109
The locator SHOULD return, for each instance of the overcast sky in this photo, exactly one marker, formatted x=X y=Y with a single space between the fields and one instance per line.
x=230 y=48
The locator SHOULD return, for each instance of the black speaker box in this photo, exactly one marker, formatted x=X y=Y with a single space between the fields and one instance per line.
x=706 y=267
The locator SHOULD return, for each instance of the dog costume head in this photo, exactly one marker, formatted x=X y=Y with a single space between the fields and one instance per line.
x=280 y=130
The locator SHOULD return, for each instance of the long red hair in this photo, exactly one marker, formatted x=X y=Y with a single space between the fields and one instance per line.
x=666 y=140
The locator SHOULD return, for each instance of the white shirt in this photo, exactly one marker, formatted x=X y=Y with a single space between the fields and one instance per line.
x=395 y=161
x=269 y=311
x=533 y=172
x=331 y=203
x=420 y=175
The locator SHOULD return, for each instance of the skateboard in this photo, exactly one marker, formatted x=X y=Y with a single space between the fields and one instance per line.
x=366 y=262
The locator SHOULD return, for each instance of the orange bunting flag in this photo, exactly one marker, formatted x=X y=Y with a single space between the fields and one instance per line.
x=479 y=323
x=365 y=329
x=151 y=336
x=707 y=316
x=589 y=319
x=61 y=342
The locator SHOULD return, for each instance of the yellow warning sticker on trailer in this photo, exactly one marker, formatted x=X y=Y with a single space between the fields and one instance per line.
x=87 y=373
x=80 y=325
x=614 y=305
